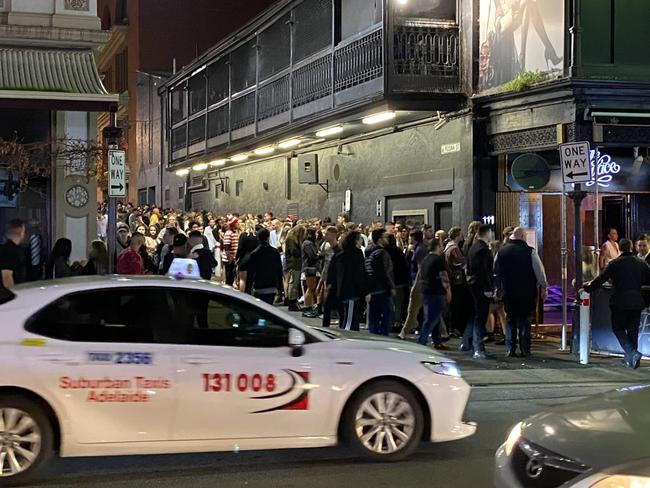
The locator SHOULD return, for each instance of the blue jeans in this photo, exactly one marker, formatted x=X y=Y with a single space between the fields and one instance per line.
x=475 y=330
x=380 y=313
x=517 y=326
x=433 y=306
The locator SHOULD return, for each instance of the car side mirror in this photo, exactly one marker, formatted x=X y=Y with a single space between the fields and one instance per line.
x=296 y=340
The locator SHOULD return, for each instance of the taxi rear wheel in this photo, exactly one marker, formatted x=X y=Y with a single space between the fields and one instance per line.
x=26 y=440
x=384 y=421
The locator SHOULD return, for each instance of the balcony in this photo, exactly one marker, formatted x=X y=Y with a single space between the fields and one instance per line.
x=297 y=68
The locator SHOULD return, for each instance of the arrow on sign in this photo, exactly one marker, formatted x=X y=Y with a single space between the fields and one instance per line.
x=116 y=187
x=573 y=175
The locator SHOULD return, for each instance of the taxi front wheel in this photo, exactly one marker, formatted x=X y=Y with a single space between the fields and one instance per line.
x=384 y=421
x=26 y=440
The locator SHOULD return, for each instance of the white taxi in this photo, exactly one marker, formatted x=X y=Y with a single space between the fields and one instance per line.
x=124 y=365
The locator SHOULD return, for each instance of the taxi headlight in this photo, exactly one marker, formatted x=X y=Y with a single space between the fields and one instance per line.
x=623 y=481
x=513 y=439
x=443 y=368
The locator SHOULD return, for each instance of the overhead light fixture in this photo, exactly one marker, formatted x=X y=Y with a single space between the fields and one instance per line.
x=200 y=167
x=330 y=131
x=379 y=118
x=239 y=157
x=263 y=151
x=218 y=162
x=182 y=172
x=289 y=143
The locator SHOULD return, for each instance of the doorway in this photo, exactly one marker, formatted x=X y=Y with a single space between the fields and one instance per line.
x=614 y=211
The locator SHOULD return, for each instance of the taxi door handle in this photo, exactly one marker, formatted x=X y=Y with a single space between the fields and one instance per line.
x=60 y=359
x=196 y=360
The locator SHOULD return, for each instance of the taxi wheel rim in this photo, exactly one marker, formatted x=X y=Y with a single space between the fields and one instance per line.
x=20 y=441
x=385 y=422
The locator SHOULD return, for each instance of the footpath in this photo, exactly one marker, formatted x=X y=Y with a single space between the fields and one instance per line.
x=545 y=367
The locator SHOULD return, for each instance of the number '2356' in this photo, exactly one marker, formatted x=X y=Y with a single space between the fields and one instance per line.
x=243 y=382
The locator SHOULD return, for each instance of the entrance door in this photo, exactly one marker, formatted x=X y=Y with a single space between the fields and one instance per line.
x=444 y=216
x=614 y=216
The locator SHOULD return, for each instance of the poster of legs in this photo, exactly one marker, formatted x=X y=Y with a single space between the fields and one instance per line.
x=518 y=36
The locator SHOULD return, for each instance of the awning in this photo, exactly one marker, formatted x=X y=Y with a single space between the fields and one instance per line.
x=52 y=78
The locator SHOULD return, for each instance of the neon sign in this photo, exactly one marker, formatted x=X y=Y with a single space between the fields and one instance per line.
x=604 y=168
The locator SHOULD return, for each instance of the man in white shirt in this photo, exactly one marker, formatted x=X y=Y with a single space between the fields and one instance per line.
x=276 y=232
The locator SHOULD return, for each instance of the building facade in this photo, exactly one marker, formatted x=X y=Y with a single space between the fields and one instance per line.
x=329 y=105
x=149 y=39
x=50 y=94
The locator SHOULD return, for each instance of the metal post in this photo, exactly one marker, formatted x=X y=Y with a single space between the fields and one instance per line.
x=585 y=332
x=578 y=195
x=563 y=258
x=112 y=135
x=596 y=263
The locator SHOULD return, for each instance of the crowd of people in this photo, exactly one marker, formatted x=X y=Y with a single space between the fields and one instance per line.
x=395 y=277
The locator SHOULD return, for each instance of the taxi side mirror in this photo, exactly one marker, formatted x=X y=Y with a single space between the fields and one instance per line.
x=296 y=340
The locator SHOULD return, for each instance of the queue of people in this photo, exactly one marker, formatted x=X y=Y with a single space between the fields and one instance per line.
x=399 y=278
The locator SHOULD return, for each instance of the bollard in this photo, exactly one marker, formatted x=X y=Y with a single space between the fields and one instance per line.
x=585 y=328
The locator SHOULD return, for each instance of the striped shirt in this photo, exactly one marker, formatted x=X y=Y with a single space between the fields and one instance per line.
x=230 y=243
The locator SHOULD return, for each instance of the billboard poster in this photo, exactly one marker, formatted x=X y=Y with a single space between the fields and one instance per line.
x=518 y=36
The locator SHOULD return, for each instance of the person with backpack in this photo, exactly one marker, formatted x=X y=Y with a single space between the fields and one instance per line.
x=379 y=268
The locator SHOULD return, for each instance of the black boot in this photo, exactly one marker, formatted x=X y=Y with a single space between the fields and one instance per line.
x=293 y=306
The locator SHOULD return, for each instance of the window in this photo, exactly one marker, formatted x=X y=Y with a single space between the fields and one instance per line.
x=113 y=315
x=275 y=47
x=239 y=187
x=197 y=130
x=122 y=72
x=168 y=195
x=179 y=108
x=312 y=28
x=181 y=192
x=244 y=67
x=179 y=138
x=218 y=81
x=196 y=87
x=207 y=319
x=354 y=16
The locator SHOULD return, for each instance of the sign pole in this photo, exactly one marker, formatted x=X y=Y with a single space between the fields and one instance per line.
x=112 y=135
x=563 y=258
x=596 y=264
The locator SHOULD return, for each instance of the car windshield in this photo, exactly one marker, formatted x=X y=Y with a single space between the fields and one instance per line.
x=6 y=295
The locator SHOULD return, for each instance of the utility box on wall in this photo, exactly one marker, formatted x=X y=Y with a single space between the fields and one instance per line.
x=308 y=169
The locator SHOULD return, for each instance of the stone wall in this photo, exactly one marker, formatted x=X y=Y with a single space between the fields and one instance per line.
x=407 y=162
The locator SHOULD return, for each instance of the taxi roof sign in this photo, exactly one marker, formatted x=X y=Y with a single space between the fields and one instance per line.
x=184 y=268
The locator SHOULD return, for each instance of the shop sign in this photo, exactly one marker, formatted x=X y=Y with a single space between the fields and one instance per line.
x=604 y=168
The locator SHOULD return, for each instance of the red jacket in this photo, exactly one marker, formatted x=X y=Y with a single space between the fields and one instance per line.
x=129 y=262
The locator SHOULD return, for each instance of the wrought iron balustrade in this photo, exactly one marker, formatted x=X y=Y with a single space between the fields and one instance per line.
x=359 y=61
x=426 y=58
x=312 y=81
x=273 y=98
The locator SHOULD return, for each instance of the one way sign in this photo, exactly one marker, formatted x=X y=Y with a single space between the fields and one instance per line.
x=116 y=174
x=576 y=162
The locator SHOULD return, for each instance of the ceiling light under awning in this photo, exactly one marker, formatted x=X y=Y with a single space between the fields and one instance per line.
x=182 y=172
x=200 y=167
x=330 y=131
x=289 y=143
x=379 y=118
x=218 y=162
x=263 y=151
x=239 y=157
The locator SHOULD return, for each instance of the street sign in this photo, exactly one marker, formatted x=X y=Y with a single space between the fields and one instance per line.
x=575 y=161
x=116 y=173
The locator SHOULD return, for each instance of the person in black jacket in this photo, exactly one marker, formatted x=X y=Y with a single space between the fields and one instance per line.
x=264 y=277
x=203 y=257
x=519 y=277
x=402 y=276
x=379 y=268
x=628 y=274
x=480 y=264
x=346 y=278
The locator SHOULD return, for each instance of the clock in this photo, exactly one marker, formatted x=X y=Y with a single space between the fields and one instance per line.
x=77 y=196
